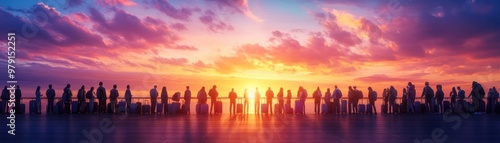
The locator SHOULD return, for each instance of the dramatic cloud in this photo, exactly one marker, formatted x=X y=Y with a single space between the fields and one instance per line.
x=239 y=6
x=116 y=2
x=168 y=9
x=214 y=23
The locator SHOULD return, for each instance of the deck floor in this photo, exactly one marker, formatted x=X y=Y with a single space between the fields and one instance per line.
x=252 y=128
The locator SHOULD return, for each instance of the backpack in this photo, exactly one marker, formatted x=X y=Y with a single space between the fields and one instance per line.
x=374 y=96
x=89 y=96
x=430 y=93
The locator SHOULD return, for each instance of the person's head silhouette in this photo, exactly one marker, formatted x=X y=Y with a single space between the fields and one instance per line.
x=128 y=86
x=83 y=87
x=100 y=83
x=50 y=86
x=38 y=88
x=114 y=86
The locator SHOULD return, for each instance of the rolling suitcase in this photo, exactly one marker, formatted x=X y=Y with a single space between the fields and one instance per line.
x=204 y=109
x=133 y=108
x=277 y=109
x=324 y=108
x=146 y=108
x=362 y=108
x=218 y=106
x=184 y=109
x=59 y=107
x=369 y=109
x=174 y=107
x=239 y=107
x=74 y=107
x=344 y=106
x=122 y=106
x=33 y=107
x=159 y=107
x=263 y=108
x=299 y=109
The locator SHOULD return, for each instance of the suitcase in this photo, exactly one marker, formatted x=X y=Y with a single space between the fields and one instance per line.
x=417 y=106
x=277 y=109
x=174 y=107
x=446 y=106
x=133 y=108
x=361 y=108
x=290 y=111
x=146 y=108
x=263 y=108
x=22 y=108
x=384 y=108
x=159 y=107
x=122 y=106
x=239 y=108
x=344 y=106
x=369 y=108
x=33 y=107
x=218 y=106
x=74 y=107
x=324 y=108
x=139 y=107
x=299 y=109
x=204 y=109
x=96 y=107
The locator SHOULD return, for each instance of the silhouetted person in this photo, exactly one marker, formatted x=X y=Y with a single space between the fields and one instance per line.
x=453 y=96
x=327 y=98
x=357 y=96
x=187 y=99
x=18 y=95
x=232 y=101
x=5 y=98
x=257 y=101
x=303 y=97
x=164 y=99
x=372 y=98
x=81 y=99
x=477 y=94
x=113 y=98
x=202 y=98
x=38 y=100
x=213 y=97
x=153 y=94
x=67 y=95
x=350 y=95
x=269 y=97
x=337 y=95
x=404 y=100
x=289 y=99
x=428 y=93
x=51 y=94
x=128 y=98
x=245 y=102
x=385 y=96
x=411 y=97
x=440 y=98
x=101 y=96
x=494 y=99
x=281 y=100
x=317 y=100
x=90 y=95
x=393 y=93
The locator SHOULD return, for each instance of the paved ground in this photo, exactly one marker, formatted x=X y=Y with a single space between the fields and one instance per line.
x=253 y=128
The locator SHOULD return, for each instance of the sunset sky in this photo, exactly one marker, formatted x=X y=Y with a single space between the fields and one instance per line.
x=252 y=43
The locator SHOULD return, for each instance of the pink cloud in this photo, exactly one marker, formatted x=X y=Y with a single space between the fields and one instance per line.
x=213 y=22
x=116 y=2
x=168 y=9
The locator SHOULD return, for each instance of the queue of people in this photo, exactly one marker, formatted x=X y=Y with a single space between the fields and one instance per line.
x=329 y=102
